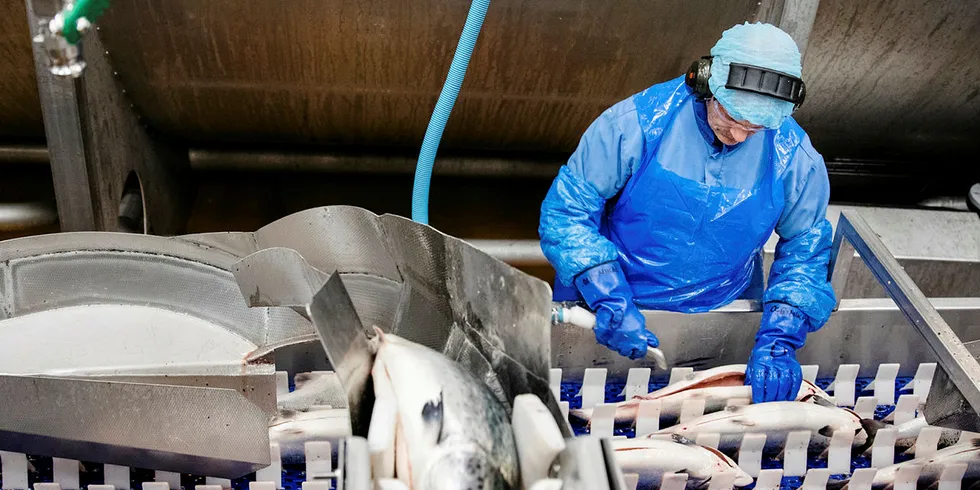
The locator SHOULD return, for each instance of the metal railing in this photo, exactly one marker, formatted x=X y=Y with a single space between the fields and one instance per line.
x=947 y=407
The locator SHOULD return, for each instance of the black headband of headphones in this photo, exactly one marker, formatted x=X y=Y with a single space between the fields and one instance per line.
x=749 y=78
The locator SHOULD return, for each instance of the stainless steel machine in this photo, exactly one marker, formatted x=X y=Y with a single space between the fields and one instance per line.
x=137 y=356
x=141 y=331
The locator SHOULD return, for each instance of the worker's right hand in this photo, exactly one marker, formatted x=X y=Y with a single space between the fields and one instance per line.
x=619 y=324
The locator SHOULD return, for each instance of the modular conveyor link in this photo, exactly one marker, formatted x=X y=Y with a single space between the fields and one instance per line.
x=886 y=393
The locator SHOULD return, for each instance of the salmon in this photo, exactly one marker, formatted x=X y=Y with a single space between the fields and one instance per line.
x=776 y=420
x=716 y=386
x=451 y=432
x=651 y=458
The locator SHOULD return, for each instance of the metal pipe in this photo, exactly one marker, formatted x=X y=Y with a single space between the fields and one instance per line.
x=26 y=216
x=216 y=159
x=513 y=252
x=202 y=159
x=32 y=154
x=951 y=203
x=797 y=19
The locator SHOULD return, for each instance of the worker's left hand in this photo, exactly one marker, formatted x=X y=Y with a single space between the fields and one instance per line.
x=619 y=324
x=772 y=370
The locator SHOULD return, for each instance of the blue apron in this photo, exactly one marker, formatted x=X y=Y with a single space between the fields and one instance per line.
x=683 y=244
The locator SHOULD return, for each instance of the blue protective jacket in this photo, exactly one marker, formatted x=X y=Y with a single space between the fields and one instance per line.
x=686 y=216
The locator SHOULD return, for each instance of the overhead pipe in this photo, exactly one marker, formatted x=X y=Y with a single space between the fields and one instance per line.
x=25 y=154
x=26 y=216
x=513 y=252
x=478 y=166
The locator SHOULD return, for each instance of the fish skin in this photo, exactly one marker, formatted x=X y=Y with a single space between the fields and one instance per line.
x=776 y=420
x=651 y=458
x=932 y=467
x=451 y=431
x=322 y=388
x=716 y=386
x=293 y=429
x=908 y=434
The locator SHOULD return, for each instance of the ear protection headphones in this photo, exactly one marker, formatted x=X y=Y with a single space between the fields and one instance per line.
x=749 y=78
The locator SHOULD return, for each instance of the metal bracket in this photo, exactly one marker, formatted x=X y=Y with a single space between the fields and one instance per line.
x=114 y=422
x=946 y=407
x=96 y=142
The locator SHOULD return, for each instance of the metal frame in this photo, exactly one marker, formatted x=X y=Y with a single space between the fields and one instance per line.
x=111 y=422
x=955 y=407
x=96 y=140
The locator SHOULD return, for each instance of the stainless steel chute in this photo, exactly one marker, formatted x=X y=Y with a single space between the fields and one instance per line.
x=122 y=312
x=411 y=280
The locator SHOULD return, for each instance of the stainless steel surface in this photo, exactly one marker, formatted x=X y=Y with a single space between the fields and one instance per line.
x=936 y=278
x=123 y=304
x=109 y=422
x=354 y=465
x=65 y=137
x=449 y=296
x=961 y=367
x=345 y=342
x=939 y=250
x=26 y=216
x=588 y=463
x=539 y=75
x=896 y=80
x=97 y=142
x=278 y=277
x=281 y=277
x=143 y=279
x=913 y=233
x=257 y=384
x=797 y=20
x=854 y=334
x=842 y=258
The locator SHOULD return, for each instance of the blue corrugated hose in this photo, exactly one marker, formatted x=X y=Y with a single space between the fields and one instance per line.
x=444 y=106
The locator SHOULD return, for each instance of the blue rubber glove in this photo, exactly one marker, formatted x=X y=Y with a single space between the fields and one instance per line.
x=619 y=324
x=772 y=370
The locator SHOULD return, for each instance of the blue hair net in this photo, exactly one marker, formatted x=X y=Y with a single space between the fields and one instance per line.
x=763 y=45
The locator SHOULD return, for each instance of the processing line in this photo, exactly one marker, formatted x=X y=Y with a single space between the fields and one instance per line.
x=268 y=360
x=176 y=353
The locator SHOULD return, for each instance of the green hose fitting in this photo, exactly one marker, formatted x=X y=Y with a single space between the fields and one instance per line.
x=89 y=10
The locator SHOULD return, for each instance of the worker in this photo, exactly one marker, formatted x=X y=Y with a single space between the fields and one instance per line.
x=672 y=193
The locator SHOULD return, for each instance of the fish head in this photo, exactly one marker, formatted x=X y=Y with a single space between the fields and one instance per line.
x=742 y=478
x=379 y=339
x=464 y=467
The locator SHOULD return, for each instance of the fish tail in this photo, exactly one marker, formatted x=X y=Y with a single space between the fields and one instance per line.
x=580 y=415
x=871 y=428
